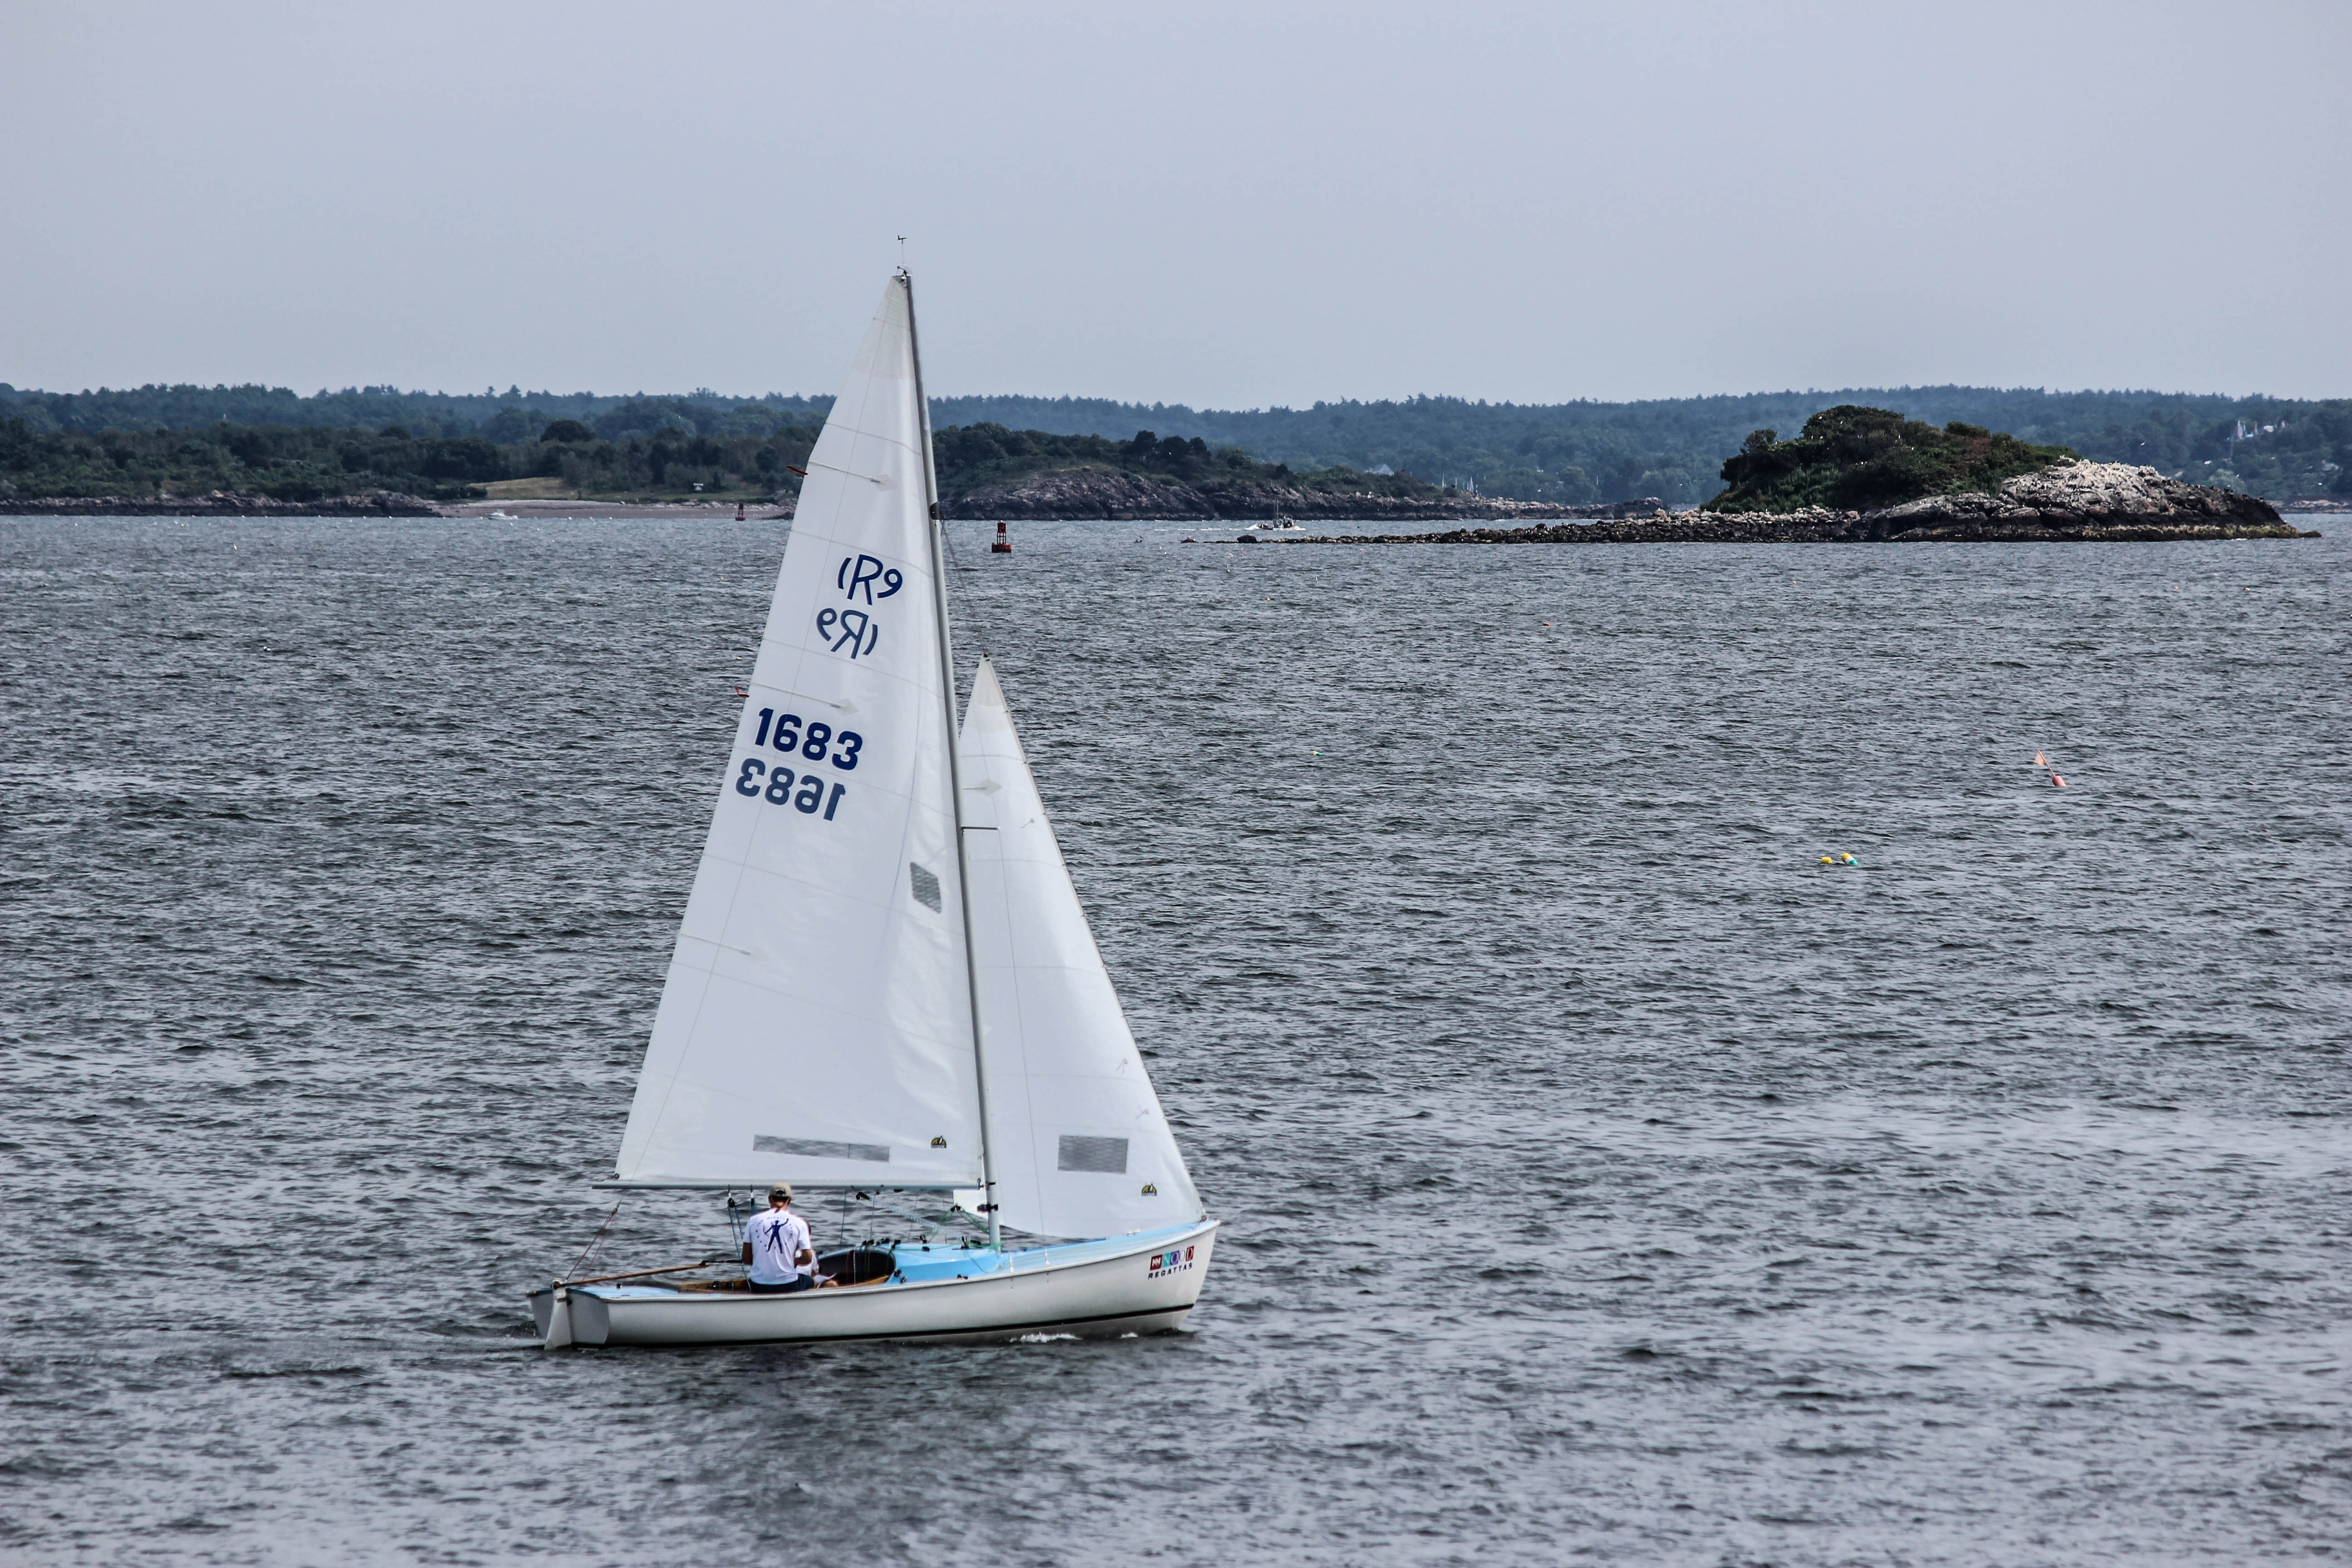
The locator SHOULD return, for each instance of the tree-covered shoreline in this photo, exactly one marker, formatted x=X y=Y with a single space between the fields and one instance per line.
x=296 y=464
x=1574 y=453
x=290 y=463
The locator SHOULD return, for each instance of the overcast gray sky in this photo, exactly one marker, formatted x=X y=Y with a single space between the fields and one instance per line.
x=1222 y=205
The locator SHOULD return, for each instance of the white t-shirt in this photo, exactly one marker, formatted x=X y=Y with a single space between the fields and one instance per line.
x=777 y=1238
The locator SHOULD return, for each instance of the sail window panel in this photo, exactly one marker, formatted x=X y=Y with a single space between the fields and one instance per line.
x=924 y=883
x=1086 y=1152
x=822 y=1148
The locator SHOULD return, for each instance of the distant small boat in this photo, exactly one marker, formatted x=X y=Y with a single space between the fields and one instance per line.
x=504 y=517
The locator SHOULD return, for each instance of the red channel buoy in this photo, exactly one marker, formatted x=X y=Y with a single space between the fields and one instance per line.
x=738 y=512
x=1002 y=546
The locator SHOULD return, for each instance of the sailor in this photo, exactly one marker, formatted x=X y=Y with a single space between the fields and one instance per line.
x=777 y=1246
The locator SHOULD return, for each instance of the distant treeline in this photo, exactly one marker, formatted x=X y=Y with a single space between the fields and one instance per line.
x=1674 y=448
x=972 y=457
x=504 y=418
x=296 y=463
x=2274 y=446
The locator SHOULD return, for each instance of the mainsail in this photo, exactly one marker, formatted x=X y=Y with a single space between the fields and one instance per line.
x=816 y=1025
x=1079 y=1144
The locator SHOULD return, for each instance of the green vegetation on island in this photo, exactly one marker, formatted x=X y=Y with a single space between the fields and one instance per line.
x=1851 y=458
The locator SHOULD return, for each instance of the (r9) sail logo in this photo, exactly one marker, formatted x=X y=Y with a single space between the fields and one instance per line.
x=850 y=631
x=855 y=632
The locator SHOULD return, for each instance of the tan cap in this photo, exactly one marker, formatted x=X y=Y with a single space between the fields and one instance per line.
x=781 y=1190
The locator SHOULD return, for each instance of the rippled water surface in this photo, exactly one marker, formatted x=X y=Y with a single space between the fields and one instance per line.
x=1605 y=1178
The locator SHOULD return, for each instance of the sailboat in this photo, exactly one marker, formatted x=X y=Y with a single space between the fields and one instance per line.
x=884 y=983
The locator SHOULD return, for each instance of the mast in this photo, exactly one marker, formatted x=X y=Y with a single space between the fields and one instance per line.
x=955 y=763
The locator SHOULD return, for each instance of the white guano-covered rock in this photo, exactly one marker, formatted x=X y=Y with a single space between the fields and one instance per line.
x=2086 y=492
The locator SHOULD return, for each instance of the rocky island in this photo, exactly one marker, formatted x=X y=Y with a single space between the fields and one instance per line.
x=1866 y=474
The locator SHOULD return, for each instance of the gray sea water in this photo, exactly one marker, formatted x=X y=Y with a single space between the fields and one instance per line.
x=1605 y=1178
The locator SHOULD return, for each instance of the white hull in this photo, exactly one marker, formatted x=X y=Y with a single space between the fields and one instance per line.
x=1091 y=1289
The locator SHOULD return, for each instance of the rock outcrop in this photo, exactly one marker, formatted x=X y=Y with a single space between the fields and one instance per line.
x=2110 y=501
x=2073 y=495
x=223 y=504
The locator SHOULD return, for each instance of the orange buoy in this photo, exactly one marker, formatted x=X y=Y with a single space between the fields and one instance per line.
x=1002 y=546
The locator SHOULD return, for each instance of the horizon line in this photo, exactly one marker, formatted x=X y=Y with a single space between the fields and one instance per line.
x=704 y=393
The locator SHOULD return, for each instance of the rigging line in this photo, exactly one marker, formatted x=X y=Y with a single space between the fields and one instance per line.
x=971 y=616
x=578 y=1262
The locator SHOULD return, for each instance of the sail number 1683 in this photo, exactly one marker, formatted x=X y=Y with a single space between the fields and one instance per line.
x=819 y=743
x=777 y=788
x=813 y=742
